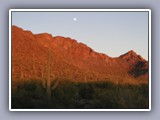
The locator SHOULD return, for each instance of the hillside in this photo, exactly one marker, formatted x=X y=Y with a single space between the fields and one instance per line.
x=70 y=60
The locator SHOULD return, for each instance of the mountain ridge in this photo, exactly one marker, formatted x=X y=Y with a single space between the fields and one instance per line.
x=69 y=58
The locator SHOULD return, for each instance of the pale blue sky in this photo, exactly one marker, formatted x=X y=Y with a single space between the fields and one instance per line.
x=112 y=33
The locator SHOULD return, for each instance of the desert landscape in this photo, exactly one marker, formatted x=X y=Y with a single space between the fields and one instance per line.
x=56 y=72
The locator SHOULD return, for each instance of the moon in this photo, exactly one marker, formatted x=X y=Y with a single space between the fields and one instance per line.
x=74 y=19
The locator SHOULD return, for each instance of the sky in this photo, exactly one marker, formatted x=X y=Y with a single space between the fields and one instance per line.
x=111 y=33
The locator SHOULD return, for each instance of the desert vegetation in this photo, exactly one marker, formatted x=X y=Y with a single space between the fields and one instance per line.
x=32 y=94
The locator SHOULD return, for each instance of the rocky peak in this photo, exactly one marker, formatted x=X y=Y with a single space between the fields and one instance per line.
x=16 y=28
x=131 y=56
x=43 y=36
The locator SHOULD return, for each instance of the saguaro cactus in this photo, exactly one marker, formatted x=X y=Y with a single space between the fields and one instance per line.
x=48 y=75
x=50 y=87
x=33 y=67
x=21 y=73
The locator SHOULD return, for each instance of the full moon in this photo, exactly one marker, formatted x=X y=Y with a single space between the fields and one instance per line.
x=74 y=19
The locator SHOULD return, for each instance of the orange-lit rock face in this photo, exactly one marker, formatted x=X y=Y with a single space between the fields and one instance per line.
x=131 y=57
x=69 y=59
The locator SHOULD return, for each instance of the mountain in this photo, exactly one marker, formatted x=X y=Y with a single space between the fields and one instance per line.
x=131 y=57
x=36 y=55
x=138 y=66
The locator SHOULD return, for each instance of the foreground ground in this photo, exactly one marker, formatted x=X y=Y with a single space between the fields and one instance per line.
x=70 y=95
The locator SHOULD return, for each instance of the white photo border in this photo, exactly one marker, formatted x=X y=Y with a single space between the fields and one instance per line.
x=80 y=10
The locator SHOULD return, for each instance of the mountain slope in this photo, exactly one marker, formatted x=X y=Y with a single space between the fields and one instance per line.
x=68 y=59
